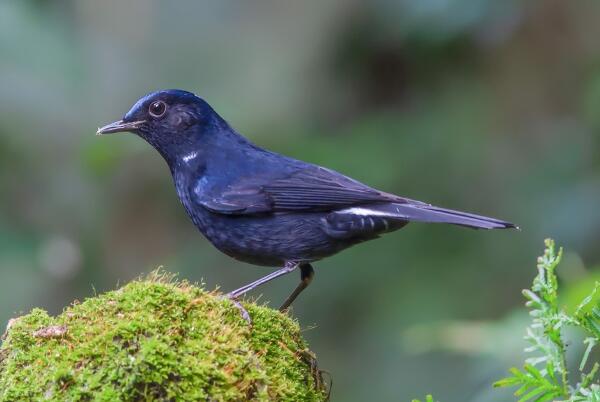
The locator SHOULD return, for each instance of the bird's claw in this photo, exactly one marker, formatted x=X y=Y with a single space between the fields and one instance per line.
x=238 y=305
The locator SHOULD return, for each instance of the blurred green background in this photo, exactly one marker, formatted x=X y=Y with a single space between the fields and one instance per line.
x=487 y=106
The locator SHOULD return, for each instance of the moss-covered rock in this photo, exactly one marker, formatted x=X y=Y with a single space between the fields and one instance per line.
x=157 y=340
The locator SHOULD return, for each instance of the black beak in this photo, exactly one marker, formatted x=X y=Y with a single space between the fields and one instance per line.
x=119 y=127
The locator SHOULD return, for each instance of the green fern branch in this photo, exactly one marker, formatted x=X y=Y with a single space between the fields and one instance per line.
x=428 y=398
x=545 y=376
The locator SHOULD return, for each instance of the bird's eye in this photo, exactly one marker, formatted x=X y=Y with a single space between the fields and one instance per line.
x=157 y=108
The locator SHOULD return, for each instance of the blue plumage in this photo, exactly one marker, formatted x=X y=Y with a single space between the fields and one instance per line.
x=261 y=207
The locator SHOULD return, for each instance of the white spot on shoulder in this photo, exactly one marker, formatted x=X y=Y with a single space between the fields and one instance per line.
x=200 y=186
x=364 y=212
x=191 y=156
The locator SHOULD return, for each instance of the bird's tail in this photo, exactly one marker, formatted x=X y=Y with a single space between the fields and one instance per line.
x=421 y=212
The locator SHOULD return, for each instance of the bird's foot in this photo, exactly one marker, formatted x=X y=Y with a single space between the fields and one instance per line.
x=238 y=305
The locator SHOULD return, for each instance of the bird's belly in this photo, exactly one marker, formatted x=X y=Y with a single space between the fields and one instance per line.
x=269 y=240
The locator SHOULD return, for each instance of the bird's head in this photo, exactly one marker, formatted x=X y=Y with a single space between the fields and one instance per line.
x=170 y=120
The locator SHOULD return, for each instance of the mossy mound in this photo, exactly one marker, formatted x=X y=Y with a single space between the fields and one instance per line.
x=157 y=340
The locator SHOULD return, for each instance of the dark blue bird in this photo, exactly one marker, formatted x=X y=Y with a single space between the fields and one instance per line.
x=264 y=208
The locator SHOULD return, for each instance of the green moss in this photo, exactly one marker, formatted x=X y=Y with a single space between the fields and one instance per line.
x=157 y=340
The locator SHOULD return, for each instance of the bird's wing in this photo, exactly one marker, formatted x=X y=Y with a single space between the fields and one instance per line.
x=309 y=189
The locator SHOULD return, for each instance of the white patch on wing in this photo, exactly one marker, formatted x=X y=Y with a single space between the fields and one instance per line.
x=190 y=156
x=364 y=212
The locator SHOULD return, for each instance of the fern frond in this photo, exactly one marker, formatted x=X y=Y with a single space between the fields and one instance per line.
x=544 y=376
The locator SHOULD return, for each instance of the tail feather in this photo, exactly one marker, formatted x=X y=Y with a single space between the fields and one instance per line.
x=421 y=212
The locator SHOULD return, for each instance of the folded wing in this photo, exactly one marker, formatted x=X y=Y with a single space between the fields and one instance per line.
x=355 y=208
x=309 y=189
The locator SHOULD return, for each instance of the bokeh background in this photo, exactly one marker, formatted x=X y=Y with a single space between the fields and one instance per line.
x=482 y=105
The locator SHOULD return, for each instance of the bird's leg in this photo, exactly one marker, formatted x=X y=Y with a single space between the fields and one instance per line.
x=306 y=276
x=289 y=267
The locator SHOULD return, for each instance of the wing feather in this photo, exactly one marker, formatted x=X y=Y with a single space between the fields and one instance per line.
x=309 y=189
